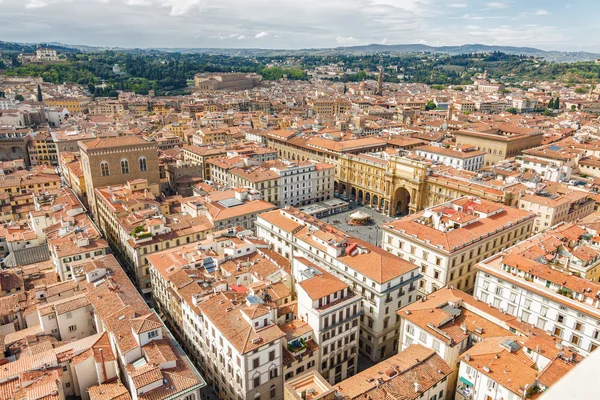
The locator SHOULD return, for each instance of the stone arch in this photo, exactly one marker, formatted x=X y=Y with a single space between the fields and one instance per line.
x=359 y=198
x=342 y=189
x=401 y=201
x=353 y=194
x=367 y=198
x=375 y=200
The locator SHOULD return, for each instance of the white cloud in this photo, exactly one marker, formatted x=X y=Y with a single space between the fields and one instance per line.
x=180 y=7
x=138 y=2
x=346 y=40
x=310 y=23
x=36 y=4
x=541 y=12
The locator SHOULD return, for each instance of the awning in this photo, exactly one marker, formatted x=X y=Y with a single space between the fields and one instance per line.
x=465 y=381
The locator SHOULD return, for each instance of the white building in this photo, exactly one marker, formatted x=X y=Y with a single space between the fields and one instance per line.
x=464 y=157
x=450 y=321
x=385 y=282
x=561 y=304
x=45 y=54
x=416 y=373
x=7 y=103
x=238 y=343
x=446 y=240
x=67 y=319
x=511 y=367
x=333 y=310
x=304 y=182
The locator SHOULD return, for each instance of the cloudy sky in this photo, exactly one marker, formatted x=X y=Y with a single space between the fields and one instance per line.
x=550 y=24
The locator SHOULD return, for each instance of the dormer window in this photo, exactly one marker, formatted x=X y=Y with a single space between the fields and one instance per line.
x=152 y=334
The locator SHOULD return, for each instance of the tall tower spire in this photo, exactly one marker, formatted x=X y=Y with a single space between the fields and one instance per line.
x=380 y=83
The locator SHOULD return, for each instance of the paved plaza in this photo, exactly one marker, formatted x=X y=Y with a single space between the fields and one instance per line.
x=369 y=233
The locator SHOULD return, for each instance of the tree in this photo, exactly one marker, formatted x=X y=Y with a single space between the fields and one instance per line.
x=512 y=110
x=19 y=97
x=581 y=90
x=430 y=106
x=39 y=94
x=551 y=103
x=547 y=112
x=557 y=103
x=573 y=107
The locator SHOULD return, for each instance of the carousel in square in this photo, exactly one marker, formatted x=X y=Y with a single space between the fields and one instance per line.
x=359 y=218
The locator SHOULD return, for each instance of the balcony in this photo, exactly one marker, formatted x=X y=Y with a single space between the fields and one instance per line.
x=464 y=392
x=297 y=346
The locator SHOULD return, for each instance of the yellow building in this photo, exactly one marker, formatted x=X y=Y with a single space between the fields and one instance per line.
x=75 y=105
x=330 y=106
x=398 y=185
x=391 y=184
x=42 y=150
x=37 y=180
x=501 y=141
x=200 y=155
x=209 y=136
x=178 y=128
x=73 y=176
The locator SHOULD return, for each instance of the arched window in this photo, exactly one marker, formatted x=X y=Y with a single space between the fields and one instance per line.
x=143 y=164
x=124 y=166
x=104 y=169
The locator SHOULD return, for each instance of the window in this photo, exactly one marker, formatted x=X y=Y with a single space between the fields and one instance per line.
x=104 y=169
x=255 y=363
x=143 y=164
x=152 y=334
x=274 y=373
x=72 y=328
x=511 y=309
x=272 y=355
x=124 y=166
x=422 y=337
x=256 y=382
x=541 y=323
x=272 y=392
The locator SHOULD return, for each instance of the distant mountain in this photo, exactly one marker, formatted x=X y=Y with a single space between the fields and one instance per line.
x=559 y=56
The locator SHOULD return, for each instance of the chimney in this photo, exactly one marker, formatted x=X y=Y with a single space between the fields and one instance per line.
x=416 y=387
